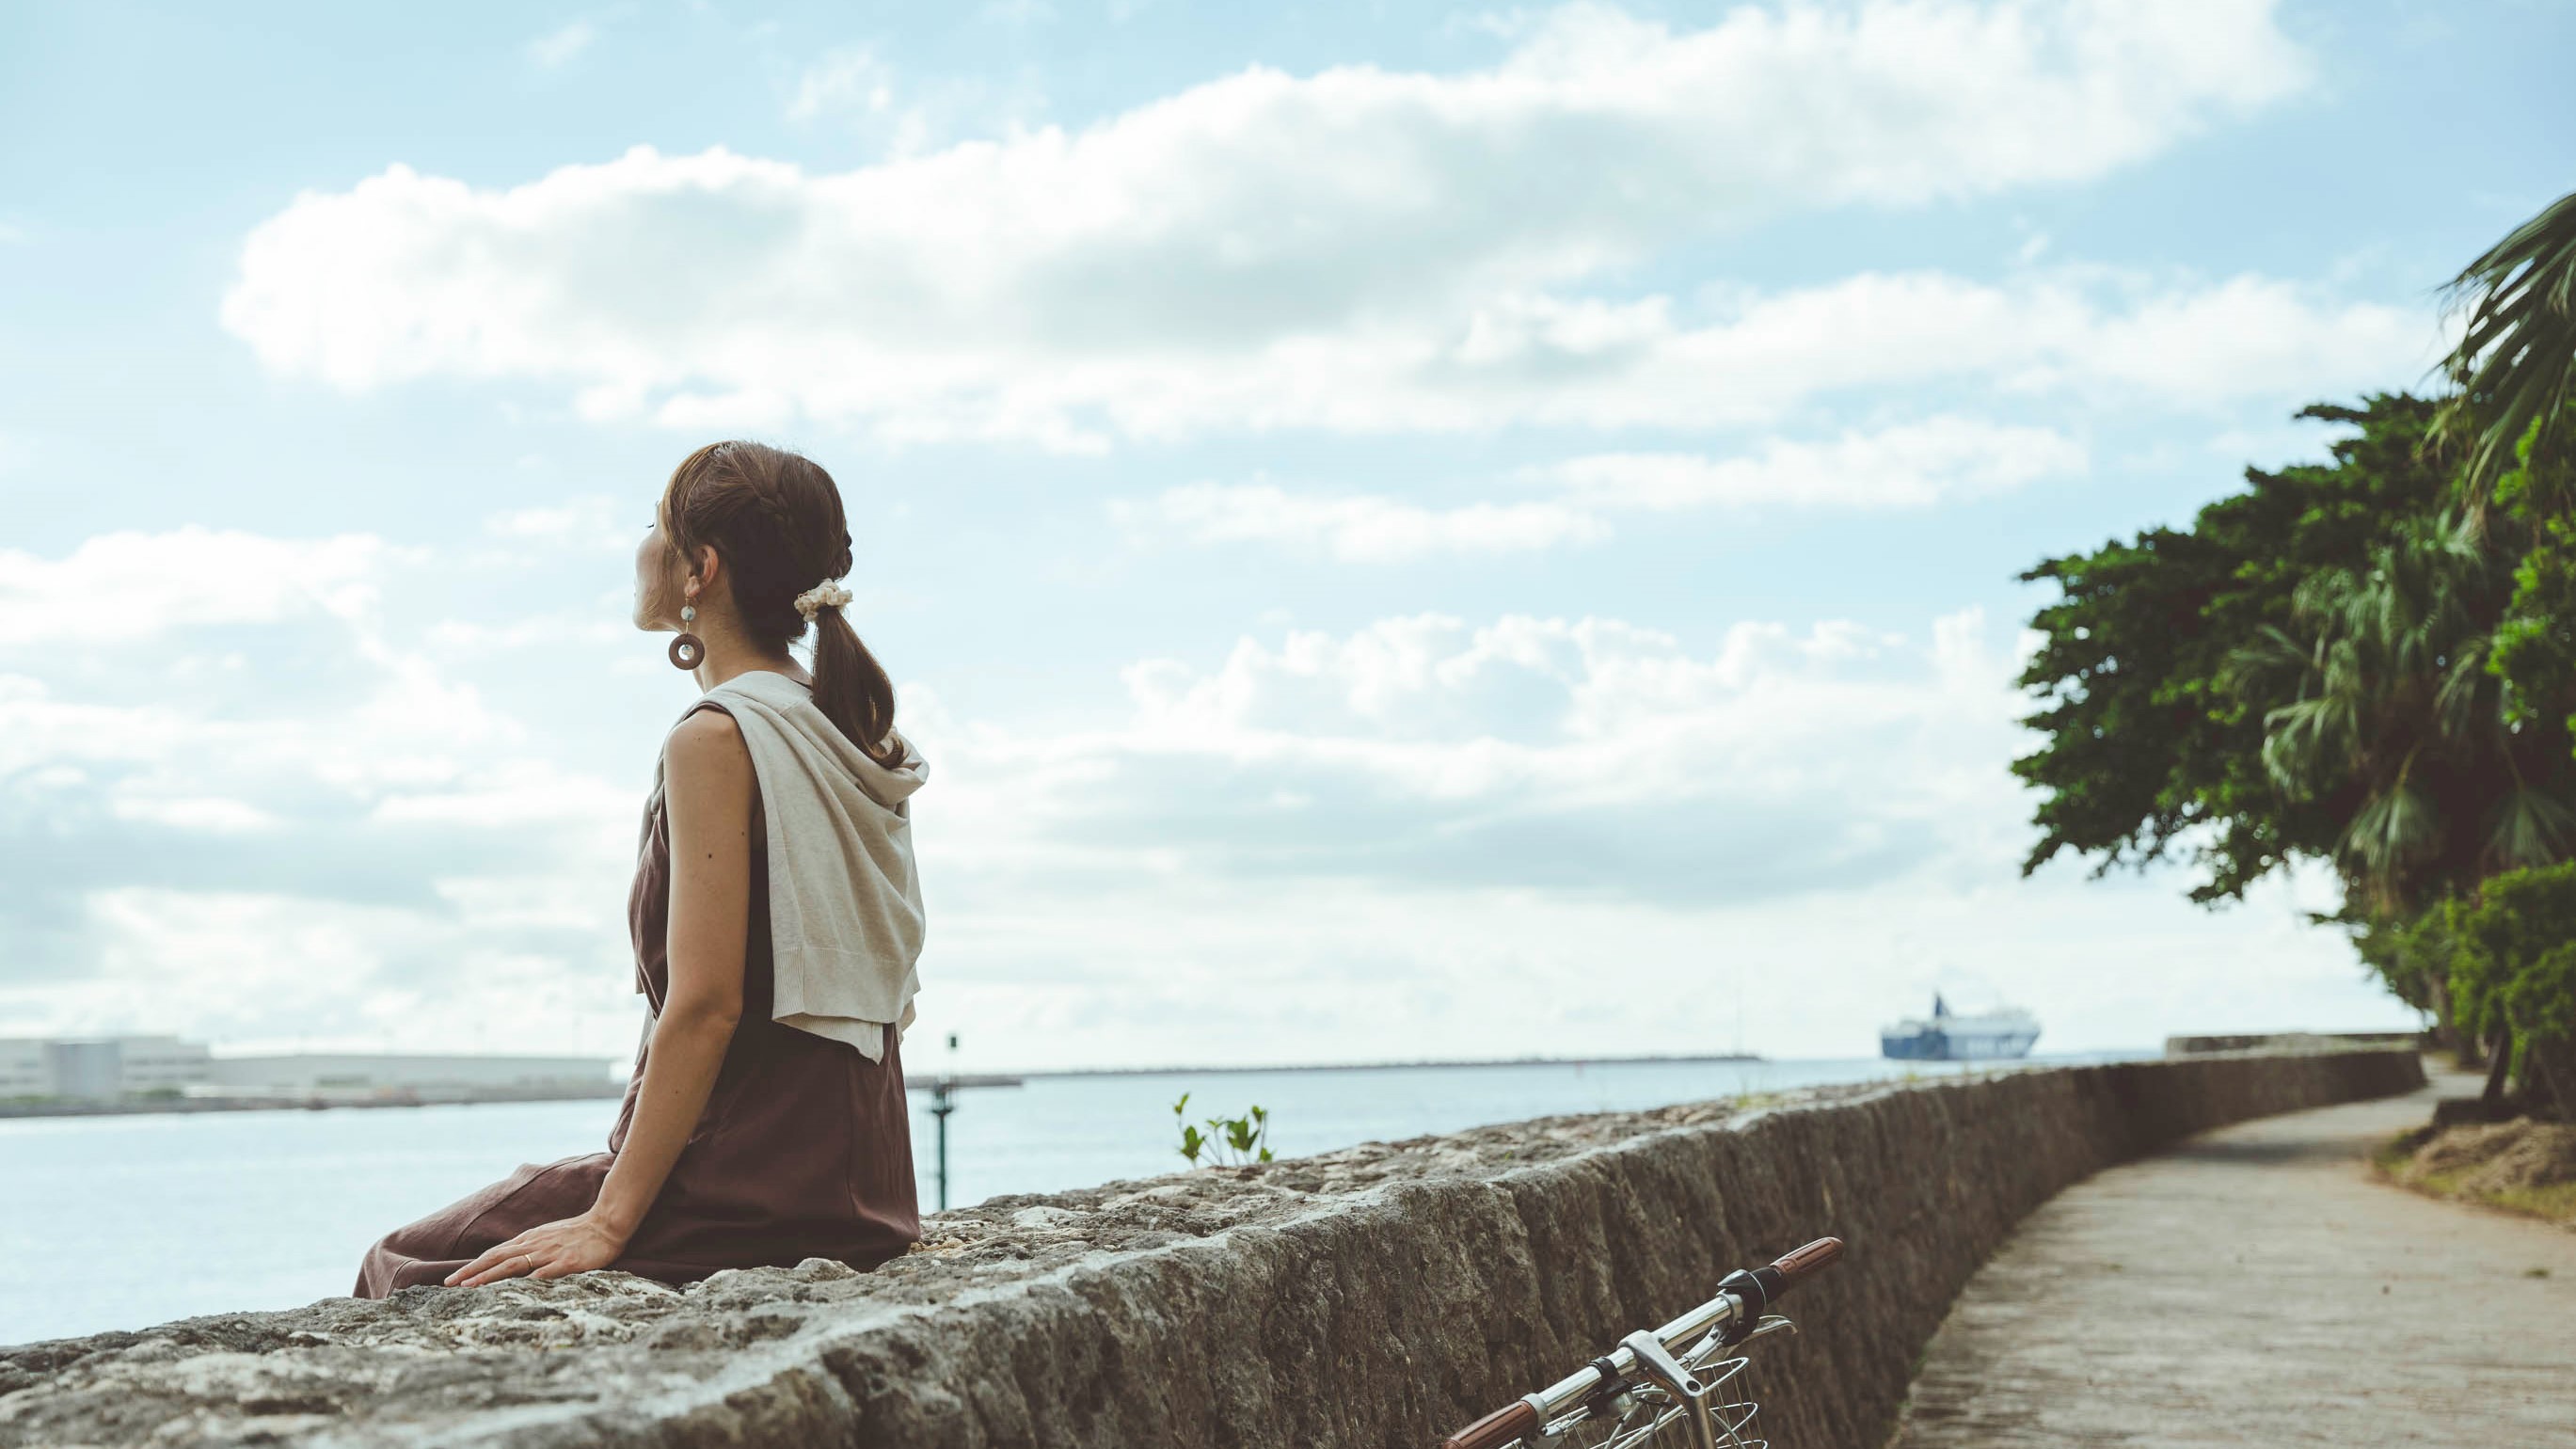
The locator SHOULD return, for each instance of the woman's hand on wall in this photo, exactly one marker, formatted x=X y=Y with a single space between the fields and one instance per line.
x=548 y=1250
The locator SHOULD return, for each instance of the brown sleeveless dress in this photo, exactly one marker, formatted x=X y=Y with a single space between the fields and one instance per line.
x=804 y=1149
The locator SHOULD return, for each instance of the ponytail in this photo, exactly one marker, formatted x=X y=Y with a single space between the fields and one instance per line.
x=853 y=690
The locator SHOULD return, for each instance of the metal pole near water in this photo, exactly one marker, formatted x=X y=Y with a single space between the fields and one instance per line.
x=943 y=1100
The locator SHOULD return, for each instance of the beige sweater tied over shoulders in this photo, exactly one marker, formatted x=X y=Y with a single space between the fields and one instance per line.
x=845 y=922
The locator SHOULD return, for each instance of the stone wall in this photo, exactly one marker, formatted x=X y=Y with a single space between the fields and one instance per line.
x=1375 y=1296
x=2300 y=1041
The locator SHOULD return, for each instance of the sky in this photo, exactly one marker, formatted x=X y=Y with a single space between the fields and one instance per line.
x=1403 y=531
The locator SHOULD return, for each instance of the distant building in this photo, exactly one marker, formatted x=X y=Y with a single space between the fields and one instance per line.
x=146 y=1062
x=99 y=1068
x=114 y=1067
x=26 y=1068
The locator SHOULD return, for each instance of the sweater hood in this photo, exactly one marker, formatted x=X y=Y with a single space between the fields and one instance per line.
x=889 y=786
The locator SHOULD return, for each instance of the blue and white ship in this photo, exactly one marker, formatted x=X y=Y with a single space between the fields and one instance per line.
x=2000 y=1034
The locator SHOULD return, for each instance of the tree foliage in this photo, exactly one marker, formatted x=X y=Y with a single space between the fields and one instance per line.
x=2535 y=644
x=2515 y=366
x=2377 y=703
x=2370 y=662
x=2411 y=956
x=2513 y=976
x=2330 y=665
x=2151 y=730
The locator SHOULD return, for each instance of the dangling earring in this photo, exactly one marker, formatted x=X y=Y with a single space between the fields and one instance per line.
x=687 y=649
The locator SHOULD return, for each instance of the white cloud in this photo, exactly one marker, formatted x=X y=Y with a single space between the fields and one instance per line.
x=242 y=805
x=1353 y=250
x=129 y=585
x=2240 y=338
x=850 y=78
x=1425 y=836
x=306 y=871
x=195 y=812
x=1357 y=528
x=2109 y=336
x=1502 y=24
x=510 y=794
x=1428 y=837
x=1185 y=967
x=1426 y=750
x=578 y=515
x=1016 y=13
x=558 y=47
x=587 y=521
x=1915 y=465
x=856 y=88
x=254 y=969
x=549 y=630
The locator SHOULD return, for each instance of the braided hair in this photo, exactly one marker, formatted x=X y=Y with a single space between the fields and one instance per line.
x=775 y=519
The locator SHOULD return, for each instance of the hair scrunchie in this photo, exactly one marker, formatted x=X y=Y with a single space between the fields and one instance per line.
x=825 y=595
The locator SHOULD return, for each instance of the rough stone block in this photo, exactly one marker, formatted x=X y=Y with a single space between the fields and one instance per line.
x=1380 y=1295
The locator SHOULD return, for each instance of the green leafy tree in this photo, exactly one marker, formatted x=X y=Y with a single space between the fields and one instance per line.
x=2306 y=672
x=2515 y=366
x=2145 y=742
x=2333 y=665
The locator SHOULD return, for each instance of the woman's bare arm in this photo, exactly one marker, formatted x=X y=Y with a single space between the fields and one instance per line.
x=707 y=789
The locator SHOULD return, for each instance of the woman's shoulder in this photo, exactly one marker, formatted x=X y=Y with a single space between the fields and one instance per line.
x=707 y=744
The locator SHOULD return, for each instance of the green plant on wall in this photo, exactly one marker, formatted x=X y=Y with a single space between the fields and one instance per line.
x=1234 y=1142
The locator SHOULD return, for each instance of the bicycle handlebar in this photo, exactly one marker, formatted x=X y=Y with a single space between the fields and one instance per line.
x=1516 y=1420
x=1799 y=1262
x=1740 y=1293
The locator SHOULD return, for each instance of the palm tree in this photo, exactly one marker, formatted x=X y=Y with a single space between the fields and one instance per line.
x=2384 y=709
x=2515 y=366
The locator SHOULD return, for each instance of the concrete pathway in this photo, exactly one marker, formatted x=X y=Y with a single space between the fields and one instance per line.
x=2256 y=1286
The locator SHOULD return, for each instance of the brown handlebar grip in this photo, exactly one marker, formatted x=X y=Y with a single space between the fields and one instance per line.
x=1515 y=1421
x=1817 y=1256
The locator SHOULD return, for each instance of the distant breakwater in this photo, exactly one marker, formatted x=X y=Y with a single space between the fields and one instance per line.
x=1377 y=1295
x=280 y=1101
x=1426 y=1064
x=285 y=1100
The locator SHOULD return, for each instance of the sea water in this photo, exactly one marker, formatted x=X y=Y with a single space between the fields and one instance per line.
x=126 y=1221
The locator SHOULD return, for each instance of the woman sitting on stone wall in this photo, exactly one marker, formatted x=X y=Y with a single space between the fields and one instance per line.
x=776 y=918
